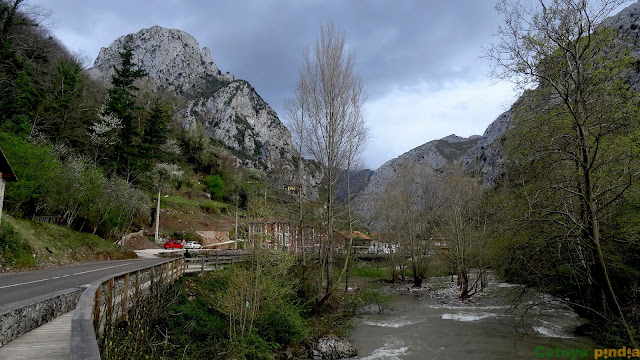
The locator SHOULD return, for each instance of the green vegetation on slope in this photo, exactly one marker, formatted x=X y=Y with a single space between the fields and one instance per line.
x=52 y=245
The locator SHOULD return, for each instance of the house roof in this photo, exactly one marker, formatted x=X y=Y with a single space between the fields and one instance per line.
x=356 y=235
x=5 y=169
x=270 y=220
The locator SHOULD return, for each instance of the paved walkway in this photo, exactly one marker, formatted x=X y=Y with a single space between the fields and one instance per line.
x=31 y=347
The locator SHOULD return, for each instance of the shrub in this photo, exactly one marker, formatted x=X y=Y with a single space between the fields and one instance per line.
x=215 y=185
x=250 y=347
x=282 y=325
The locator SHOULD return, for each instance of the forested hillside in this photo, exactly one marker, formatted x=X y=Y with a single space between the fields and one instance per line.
x=91 y=155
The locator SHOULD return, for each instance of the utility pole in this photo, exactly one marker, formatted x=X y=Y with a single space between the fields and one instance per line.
x=235 y=245
x=157 y=217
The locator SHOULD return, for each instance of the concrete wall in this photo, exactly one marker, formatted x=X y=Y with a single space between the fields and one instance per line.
x=22 y=317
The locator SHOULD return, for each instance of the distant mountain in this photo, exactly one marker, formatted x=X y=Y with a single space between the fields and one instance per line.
x=478 y=154
x=475 y=152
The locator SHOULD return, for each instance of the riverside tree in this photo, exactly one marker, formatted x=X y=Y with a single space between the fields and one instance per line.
x=407 y=214
x=460 y=218
x=574 y=147
x=329 y=100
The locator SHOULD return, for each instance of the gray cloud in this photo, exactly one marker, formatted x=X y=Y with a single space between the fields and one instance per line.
x=397 y=44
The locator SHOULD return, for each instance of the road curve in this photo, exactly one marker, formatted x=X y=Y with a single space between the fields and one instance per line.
x=16 y=287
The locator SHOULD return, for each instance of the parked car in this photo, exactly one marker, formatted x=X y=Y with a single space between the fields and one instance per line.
x=192 y=245
x=173 y=245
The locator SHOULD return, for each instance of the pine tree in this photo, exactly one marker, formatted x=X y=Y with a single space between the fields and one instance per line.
x=122 y=104
x=155 y=133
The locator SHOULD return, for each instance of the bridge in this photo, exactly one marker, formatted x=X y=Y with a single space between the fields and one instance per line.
x=81 y=313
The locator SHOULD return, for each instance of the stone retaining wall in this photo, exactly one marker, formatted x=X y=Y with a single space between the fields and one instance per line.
x=22 y=317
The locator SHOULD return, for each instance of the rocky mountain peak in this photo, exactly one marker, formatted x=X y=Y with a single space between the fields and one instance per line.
x=172 y=58
x=229 y=110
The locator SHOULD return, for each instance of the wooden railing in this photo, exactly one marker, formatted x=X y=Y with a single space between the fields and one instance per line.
x=212 y=261
x=109 y=299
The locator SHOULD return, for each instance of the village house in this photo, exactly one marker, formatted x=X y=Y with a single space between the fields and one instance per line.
x=6 y=175
x=292 y=188
x=273 y=232
x=380 y=247
x=361 y=242
x=278 y=233
x=438 y=244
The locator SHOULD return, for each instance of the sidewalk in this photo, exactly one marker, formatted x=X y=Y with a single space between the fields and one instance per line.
x=48 y=342
x=152 y=253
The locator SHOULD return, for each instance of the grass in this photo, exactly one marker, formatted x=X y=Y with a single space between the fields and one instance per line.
x=27 y=244
x=183 y=204
x=368 y=271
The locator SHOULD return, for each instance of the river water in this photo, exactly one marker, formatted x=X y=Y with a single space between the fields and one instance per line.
x=434 y=324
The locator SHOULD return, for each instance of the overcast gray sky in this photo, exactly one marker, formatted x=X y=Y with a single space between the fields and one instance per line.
x=420 y=60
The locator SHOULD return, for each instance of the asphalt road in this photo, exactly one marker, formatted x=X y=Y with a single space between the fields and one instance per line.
x=15 y=287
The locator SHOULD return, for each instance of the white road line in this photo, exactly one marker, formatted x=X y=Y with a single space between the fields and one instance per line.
x=57 y=277
x=24 y=283
x=104 y=268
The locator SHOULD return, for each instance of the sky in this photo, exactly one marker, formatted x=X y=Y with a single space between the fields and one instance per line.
x=420 y=60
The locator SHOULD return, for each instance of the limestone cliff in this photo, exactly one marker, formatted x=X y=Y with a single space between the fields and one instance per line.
x=430 y=158
x=172 y=58
x=230 y=110
x=478 y=154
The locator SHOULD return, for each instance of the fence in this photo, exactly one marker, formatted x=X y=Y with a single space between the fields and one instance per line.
x=212 y=262
x=109 y=299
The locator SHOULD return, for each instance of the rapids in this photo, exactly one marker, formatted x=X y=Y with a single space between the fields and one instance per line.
x=432 y=323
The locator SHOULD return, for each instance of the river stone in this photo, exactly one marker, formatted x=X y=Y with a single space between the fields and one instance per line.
x=332 y=347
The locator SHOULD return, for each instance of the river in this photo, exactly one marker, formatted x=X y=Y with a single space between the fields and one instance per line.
x=433 y=324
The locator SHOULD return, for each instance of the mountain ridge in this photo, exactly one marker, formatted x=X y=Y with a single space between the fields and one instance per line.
x=229 y=109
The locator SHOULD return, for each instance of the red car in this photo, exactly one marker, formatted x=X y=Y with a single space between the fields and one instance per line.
x=173 y=245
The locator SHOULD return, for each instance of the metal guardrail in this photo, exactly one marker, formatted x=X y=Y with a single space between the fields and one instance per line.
x=109 y=298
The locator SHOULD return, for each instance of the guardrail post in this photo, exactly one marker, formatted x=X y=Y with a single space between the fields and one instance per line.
x=217 y=257
x=110 y=301
x=96 y=307
x=125 y=297
x=202 y=269
x=137 y=289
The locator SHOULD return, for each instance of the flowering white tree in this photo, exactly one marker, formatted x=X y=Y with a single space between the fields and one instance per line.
x=104 y=134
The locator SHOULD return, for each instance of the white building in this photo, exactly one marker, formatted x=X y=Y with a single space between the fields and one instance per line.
x=6 y=175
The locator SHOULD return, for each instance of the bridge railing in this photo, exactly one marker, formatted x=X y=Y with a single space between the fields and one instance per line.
x=212 y=262
x=108 y=299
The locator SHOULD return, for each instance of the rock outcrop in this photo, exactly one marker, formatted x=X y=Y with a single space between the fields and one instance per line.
x=229 y=110
x=172 y=58
x=238 y=117
x=332 y=347
x=427 y=160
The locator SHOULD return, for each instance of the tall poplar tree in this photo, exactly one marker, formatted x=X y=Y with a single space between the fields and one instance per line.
x=334 y=131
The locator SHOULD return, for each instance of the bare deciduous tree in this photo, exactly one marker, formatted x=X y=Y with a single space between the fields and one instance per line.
x=559 y=48
x=460 y=221
x=328 y=107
